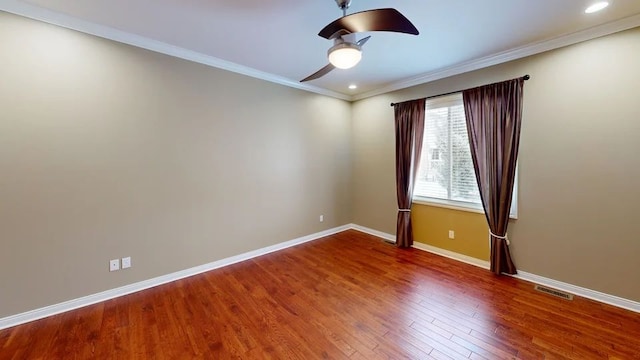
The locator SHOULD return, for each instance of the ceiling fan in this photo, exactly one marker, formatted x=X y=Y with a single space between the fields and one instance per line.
x=346 y=52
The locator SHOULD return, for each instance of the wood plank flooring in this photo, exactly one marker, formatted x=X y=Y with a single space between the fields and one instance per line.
x=347 y=296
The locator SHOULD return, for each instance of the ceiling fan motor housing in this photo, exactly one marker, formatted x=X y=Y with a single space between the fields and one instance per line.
x=343 y=45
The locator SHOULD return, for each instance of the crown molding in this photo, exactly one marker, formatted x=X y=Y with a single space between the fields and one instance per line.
x=509 y=55
x=51 y=17
x=48 y=16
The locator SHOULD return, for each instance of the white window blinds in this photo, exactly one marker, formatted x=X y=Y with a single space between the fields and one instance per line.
x=446 y=169
x=445 y=174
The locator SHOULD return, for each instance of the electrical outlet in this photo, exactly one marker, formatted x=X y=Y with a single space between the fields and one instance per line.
x=114 y=265
x=452 y=235
x=321 y=218
x=126 y=262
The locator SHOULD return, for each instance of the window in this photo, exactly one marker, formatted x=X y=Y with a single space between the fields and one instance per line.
x=445 y=175
x=435 y=154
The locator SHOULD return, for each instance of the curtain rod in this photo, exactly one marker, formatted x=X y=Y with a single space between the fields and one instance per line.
x=526 y=77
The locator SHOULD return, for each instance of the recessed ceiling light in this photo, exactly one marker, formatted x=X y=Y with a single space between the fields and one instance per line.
x=597 y=7
x=353 y=86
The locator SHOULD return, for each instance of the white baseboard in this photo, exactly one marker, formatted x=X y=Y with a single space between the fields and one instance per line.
x=370 y=231
x=580 y=291
x=40 y=313
x=452 y=255
x=536 y=279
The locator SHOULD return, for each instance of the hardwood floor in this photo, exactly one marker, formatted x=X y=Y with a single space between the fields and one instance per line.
x=349 y=295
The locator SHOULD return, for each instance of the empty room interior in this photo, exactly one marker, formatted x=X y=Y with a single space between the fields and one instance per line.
x=171 y=189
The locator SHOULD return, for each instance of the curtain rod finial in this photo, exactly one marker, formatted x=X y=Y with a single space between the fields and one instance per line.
x=527 y=77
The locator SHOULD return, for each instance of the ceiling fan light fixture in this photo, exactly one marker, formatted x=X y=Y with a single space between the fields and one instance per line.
x=345 y=55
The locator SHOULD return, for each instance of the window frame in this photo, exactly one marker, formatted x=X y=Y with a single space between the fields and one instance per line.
x=463 y=205
x=468 y=206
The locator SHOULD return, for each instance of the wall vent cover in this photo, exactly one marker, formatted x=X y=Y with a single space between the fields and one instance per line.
x=554 y=292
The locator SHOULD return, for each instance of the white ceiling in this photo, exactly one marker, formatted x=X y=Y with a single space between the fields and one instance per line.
x=277 y=39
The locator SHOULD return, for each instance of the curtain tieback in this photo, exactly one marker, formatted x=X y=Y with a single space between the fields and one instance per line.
x=404 y=210
x=501 y=237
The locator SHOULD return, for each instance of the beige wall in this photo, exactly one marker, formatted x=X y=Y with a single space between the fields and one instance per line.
x=579 y=163
x=109 y=151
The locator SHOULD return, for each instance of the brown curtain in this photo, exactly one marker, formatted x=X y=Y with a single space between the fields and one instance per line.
x=409 y=122
x=494 y=116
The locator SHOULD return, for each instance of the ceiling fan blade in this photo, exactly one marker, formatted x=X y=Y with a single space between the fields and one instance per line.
x=363 y=41
x=320 y=73
x=370 y=20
